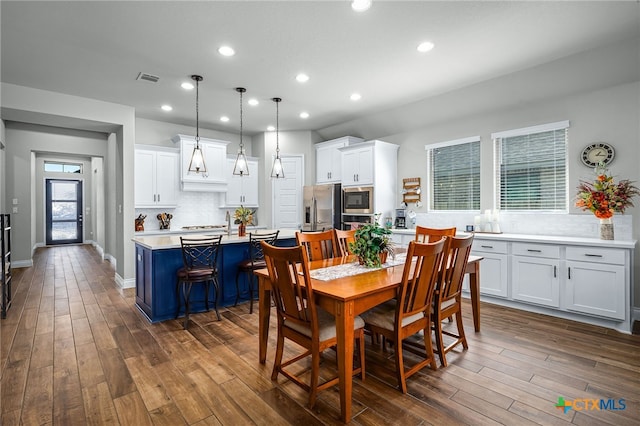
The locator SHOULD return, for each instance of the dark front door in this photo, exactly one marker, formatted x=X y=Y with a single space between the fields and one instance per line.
x=63 y=211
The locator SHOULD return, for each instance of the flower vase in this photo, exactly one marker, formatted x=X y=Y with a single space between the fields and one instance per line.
x=242 y=230
x=606 y=229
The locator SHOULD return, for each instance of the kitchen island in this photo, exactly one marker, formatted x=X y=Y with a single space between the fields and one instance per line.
x=158 y=257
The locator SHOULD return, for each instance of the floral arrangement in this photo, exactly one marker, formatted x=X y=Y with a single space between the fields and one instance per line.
x=371 y=240
x=243 y=215
x=604 y=196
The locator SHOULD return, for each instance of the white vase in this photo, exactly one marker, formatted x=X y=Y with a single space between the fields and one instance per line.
x=606 y=229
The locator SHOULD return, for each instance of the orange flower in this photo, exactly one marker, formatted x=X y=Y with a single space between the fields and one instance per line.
x=604 y=197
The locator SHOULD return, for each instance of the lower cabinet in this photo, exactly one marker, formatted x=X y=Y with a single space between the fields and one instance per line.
x=494 y=278
x=534 y=274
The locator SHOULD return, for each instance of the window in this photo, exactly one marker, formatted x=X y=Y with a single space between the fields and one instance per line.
x=531 y=168
x=454 y=174
x=51 y=166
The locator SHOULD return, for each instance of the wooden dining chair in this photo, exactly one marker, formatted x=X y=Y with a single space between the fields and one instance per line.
x=410 y=312
x=319 y=245
x=301 y=320
x=447 y=300
x=429 y=235
x=255 y=261
x=343 y=238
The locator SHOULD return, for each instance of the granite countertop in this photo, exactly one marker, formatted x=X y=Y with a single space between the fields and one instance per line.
x=172 y=240
x=553 y=239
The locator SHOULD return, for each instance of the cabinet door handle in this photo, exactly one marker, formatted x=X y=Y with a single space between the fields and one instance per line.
x=534 y=251
x=154 y=198
x=569 y=272
x=592 y=255
x=555 y=271
x=487 y=247
x=158 y=197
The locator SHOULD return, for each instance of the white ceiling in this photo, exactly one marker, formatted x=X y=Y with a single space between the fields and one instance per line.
x=96 y=49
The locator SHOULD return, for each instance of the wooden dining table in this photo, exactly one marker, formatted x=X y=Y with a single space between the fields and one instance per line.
x=345 y=298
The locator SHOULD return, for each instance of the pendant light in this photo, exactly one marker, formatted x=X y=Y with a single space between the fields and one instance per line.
x=197 y=165
x=277 y=171
x=241 y=167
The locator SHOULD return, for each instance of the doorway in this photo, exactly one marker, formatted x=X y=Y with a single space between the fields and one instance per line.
x=287 y=194
x=63 y=212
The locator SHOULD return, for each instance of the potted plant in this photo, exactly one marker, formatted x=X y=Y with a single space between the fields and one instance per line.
x=241 y=217
x=372 y=244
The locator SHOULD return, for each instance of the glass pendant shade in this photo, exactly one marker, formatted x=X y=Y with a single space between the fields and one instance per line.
x=197 y=164
x=277 y=171
x=241 y=167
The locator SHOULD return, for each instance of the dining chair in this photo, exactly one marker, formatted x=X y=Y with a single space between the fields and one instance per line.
x=319 y=245
x=447 y=299
x=255 y=261
x=301 y=320
x=343 y=238
x=429 y=235
x=200 y=266
x=410 y=312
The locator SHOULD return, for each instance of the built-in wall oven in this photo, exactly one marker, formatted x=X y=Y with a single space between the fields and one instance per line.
x=357 y=200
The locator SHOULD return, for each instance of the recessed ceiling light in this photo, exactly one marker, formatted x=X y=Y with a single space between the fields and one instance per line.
x=226 y=51
x=302 y=78
x=166 y=107
x=304 y=115
x=270 y=128
x=355 y=96
x=253 y=102
x=224 y=118
x=360 y=5
x=187 y=86
x=425 y=46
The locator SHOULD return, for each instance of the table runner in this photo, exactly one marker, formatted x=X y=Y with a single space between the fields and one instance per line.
x=349 y=269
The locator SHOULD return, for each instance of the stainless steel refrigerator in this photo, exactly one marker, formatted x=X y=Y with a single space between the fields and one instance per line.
x=322 y=207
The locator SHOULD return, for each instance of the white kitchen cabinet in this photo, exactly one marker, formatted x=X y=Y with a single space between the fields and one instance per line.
x=535 y=273
x=357 y=166
x=215 y=156
x=596 y=281
x=494 y=280
x=242 y=190
x=329 y=159
x=156 y=178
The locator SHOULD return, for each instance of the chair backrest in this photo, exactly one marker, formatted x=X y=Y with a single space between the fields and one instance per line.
x=453 y=268
x=319 y=245
x=291 y=285
x=343 y=238
x=429 y=235
x=255 y=246
x=200 y=253
x=419 y=278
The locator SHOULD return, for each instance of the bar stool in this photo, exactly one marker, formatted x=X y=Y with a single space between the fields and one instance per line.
x=255 y=261
x=200 y=260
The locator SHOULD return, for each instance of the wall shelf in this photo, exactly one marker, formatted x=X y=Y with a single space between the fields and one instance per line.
x=411 y=191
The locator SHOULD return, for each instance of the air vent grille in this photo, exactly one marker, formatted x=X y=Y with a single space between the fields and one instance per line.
x=148 y=77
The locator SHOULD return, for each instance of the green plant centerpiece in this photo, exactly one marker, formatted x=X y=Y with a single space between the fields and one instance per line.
x=372 y=244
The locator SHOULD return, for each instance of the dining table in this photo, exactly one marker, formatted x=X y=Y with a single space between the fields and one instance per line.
x=345 y=297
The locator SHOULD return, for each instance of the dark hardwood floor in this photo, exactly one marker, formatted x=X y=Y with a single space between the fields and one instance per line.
x=75 y=350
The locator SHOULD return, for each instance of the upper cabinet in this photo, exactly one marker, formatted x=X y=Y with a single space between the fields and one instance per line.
x=329 y=159
x=156 y=178
x=369 y=163
x=215 y=155
x=241 y=190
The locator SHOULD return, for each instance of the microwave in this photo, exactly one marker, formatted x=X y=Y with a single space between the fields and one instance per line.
x=358 y=200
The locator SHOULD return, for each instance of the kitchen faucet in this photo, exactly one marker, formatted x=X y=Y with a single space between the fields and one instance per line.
x=228 y=219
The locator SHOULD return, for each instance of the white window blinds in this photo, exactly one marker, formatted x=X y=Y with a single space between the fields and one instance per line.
x=454 y=174
x=531 y=168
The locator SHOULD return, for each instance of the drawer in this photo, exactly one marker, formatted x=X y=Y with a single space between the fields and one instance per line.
x=596 y=255
x=489 y=246
x=535 y=250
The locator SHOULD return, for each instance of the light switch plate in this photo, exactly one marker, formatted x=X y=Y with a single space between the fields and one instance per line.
x=15 y=201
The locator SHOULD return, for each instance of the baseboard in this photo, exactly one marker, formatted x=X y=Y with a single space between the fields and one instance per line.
x=21 y=263
x=111 y=260
x=125 y=283
x=98 y=248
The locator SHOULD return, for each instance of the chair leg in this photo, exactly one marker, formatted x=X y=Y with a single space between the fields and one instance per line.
x=206 y=295
x=428 y=347
x=361 y=352
x=463 y=337
x=437 y=322
x=250 y=282
x=237 y=288
x=178 y=300
x=315 y=377
x=402 y=382
x=186 y=290
x=277 y=360
x=216 y=287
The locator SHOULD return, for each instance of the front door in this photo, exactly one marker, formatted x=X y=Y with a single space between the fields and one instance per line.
x=63 y=211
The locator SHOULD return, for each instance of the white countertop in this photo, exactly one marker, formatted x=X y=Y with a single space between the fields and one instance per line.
x=210 y=231
x=553 y=239
x=172 y=240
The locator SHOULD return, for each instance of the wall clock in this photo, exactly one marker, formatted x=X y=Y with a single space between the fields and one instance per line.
x=599 y=152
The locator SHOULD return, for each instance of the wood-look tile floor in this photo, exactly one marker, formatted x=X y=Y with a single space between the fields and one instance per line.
x=76 y=351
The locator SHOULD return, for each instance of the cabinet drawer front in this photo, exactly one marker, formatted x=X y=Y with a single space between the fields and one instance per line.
x=489 y=246
x=536 y=250
x=598 y=255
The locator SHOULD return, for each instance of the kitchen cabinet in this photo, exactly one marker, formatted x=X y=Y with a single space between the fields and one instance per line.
x=156 y=178
x=242 y=190
x=329 y=159
x=494 y=280
x=215 y=157
x=596 y=281
x=535 y=273
x=357 y=166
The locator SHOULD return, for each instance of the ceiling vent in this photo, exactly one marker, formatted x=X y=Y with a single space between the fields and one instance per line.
x=148 y=77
